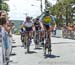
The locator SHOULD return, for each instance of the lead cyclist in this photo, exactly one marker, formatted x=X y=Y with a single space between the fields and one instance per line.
x=46 y=20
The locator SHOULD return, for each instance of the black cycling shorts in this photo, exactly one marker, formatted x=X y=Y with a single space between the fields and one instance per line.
x=38 y=28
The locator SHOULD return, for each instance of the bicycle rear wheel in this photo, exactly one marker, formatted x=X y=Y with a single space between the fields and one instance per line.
x=36 y=40
x=28 y=46
x=49 y=47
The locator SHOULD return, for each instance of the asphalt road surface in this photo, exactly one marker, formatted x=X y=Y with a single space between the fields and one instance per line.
x=63 y=53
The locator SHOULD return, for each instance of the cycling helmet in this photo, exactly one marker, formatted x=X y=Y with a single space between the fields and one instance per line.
x=47 y=12
x=28 y=18
x=37 y=18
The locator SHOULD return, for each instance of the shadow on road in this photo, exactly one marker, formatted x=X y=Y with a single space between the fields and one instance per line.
x=12 y=54
x=64 y=43
x=13 y=62
x=30 y=52
x=13 y=42
x=51 y=56
x=17 y=46
x=14 y=46
x=37 y=48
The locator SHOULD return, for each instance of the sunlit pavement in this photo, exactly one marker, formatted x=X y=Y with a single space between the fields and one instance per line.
x=63 y=53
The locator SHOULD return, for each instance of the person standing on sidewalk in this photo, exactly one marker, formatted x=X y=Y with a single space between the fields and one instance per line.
x=5 y=39
x=1 y=57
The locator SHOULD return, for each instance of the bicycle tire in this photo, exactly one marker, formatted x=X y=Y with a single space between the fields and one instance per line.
x=28 y=46
x=49 y=47
x=28 y=43
x=37 y=39
x=44 y=47
x=47 y=44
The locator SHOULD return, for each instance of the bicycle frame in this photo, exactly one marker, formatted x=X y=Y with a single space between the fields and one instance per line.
x=37 y=38
x=47 y=42
x=27 y=40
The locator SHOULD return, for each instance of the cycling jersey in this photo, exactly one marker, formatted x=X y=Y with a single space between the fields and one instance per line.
x=47 y=20
x=28 y=26
x=37 y=26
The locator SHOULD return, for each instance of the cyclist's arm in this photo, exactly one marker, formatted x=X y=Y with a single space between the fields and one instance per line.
x=33 y=27
x=41 y=18
x=42 y=27
x=7 y=28
x=54 y=22
x=41 y=22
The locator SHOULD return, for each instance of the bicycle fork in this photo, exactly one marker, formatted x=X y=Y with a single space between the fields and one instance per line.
x=28 y=43
x=47 y=44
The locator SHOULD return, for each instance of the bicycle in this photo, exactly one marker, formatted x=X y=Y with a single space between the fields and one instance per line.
x=47 y=43
x=37 y=39
x=27 y=41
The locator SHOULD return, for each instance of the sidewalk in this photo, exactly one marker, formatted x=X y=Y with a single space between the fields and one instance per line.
x=0 y=55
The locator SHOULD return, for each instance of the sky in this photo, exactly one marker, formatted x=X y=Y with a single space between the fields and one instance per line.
x=19 y=8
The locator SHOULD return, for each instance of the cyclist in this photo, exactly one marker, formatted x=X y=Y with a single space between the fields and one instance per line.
x=47 y=19
x=38 y=27
x=29 y=25
x=29 y=28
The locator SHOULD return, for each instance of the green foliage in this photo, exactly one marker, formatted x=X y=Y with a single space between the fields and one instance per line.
x=17 y=24
x=62 y=8
x=5 y=6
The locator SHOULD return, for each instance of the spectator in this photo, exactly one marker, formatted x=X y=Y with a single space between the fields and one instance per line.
x=5 y=39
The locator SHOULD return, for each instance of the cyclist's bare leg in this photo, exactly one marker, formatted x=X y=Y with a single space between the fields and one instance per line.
x=42 y=34
x=30 y=35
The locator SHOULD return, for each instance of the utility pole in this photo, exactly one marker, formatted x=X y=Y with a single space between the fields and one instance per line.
x=41 y=6
x=45 y=4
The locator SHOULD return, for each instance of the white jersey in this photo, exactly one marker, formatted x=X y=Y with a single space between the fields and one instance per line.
x=28 y=24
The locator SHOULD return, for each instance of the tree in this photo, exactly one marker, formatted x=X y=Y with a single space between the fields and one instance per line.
x=62 y=8
x=3 y=5
x=0 y=4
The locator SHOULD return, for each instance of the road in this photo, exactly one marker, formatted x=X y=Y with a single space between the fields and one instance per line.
x=63 y=53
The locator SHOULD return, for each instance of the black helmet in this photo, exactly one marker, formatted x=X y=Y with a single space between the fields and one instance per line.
x=47 y=13
x=28 y=18
x=37 y=18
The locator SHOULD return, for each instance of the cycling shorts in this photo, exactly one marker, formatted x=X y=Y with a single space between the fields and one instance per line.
x=28 y=29
x=38 y=28
x=47 y=27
